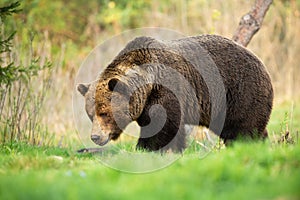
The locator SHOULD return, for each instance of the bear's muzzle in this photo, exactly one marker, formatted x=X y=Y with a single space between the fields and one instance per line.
x=101 y=140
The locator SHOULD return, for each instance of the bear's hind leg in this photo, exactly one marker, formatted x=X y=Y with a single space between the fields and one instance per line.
x=233 y=134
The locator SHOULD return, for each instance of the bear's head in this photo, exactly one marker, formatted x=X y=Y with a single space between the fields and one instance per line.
x=108 y=117
x=112 y=102
x=119 y=95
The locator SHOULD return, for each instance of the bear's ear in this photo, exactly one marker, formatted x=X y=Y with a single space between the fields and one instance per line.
x=83 y=88
x=115 y=84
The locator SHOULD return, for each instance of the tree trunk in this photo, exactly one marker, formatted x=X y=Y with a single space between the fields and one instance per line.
x=251 y=22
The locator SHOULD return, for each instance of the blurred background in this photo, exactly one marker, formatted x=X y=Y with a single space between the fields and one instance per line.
x=61 y=34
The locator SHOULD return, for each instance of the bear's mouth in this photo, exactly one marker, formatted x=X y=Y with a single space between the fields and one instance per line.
x=101 y=140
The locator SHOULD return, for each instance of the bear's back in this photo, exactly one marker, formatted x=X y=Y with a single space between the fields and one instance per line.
x=249 y=92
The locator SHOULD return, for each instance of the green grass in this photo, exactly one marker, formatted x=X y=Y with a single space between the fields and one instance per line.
x=244 y=171
x=285 y=114
x=247 y=170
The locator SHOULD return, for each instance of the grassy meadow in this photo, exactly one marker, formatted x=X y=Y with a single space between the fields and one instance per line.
x=246 y=170
x=38 y=136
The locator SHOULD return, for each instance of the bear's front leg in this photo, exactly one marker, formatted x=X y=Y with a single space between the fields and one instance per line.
x=162 y=126
x=169 y=138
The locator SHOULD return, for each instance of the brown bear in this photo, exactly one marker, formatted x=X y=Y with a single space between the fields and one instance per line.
x=206 y=80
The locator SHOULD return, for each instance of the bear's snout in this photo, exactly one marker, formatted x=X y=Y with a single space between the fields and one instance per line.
x=100 y=140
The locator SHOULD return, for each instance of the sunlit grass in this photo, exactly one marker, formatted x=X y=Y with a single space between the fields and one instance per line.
x=243 y=171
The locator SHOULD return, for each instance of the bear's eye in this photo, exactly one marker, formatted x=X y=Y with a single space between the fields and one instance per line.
x=115 y=85
x=103 y=114
x=112 y=83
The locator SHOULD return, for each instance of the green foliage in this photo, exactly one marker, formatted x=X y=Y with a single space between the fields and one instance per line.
x=20 y=99
x=123 y=13
x=6 y=43
x=11 y=73
x=72 y=20
x=7 y=73
x=9 y=10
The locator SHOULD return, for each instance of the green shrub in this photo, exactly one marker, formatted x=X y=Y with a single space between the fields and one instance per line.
x=22 y=88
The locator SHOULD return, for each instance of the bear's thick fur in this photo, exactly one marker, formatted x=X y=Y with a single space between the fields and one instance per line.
x=128 y=90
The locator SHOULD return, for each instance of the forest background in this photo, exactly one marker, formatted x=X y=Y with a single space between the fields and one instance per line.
x=64 y=32
x=44 y=43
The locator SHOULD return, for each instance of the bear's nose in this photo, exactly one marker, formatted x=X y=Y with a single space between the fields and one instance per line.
x=95 y=138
